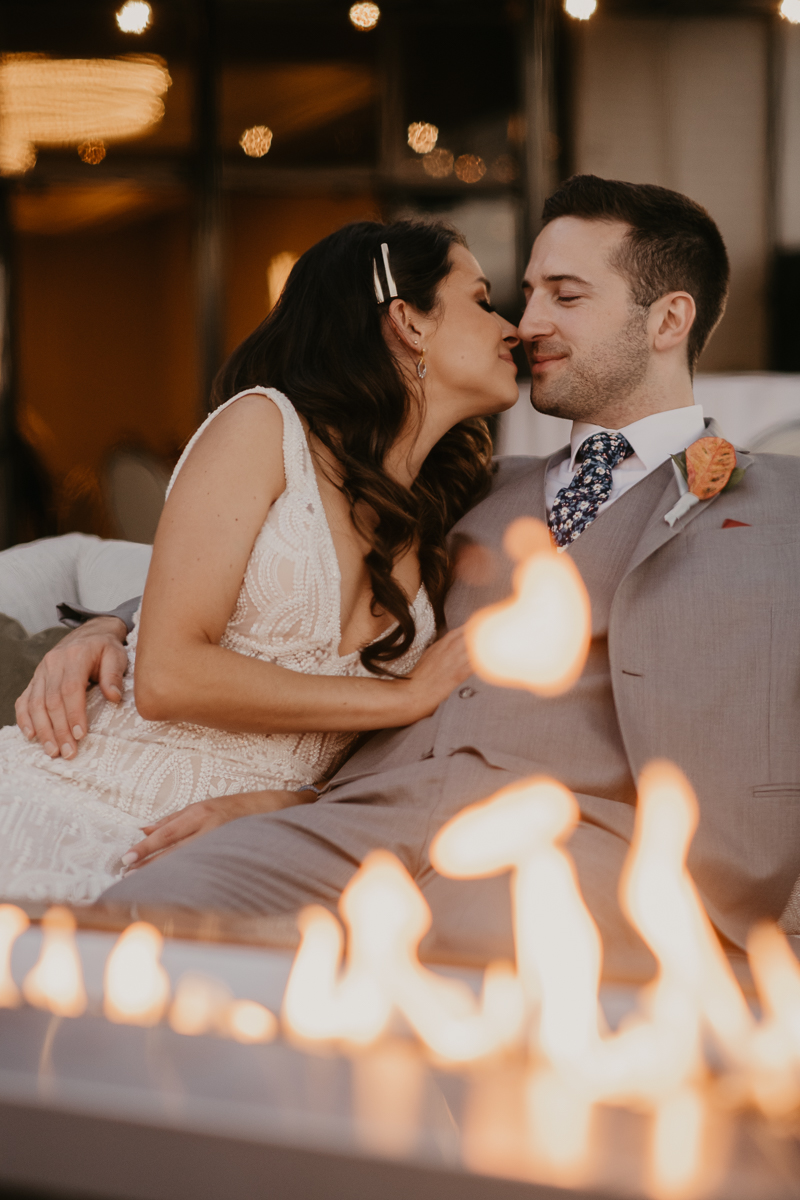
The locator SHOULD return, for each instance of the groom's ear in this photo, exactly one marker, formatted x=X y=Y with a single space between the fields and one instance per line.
x=671 y=319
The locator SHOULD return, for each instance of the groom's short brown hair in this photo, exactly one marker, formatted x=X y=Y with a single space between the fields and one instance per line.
x=673 y=244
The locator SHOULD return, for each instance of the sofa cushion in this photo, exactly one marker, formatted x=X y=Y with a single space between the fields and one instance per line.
x=20 y=654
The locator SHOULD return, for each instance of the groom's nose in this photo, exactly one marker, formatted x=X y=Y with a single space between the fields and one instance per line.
x=536 y=321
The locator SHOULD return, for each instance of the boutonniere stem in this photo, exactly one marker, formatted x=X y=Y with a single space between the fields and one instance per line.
x=708 y=467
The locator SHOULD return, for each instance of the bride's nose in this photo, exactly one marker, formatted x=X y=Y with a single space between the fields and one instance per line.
x=510 y=333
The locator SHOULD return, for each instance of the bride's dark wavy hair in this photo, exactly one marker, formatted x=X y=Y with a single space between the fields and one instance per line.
x=323 y=345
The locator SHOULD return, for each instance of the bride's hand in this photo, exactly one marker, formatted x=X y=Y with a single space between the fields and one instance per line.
x=442 y=667
x=196 y=819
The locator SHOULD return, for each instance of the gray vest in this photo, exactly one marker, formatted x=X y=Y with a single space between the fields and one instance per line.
x=575 y=737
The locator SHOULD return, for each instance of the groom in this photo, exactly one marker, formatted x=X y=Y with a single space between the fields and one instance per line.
x=695 y=652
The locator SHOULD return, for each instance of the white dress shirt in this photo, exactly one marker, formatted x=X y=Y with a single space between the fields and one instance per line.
x=653 y=438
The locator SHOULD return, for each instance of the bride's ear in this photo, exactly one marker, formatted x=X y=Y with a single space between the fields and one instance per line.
x=404 y=322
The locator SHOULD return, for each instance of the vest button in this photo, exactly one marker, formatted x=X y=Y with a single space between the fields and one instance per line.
x=466 y=692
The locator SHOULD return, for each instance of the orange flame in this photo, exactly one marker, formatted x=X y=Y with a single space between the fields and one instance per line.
x=136 y=985
x=539 y=639
x=661 y=901
x=56 y=982
x=13 y=922
x=559 y=952
x=247 y=1021
x=387 y=917
x=388 y=1085
x=560 y=1118
x=199 y=1006
x=774 y=1059
x=558 y=946
x=204 y=1005
x=676 y=1152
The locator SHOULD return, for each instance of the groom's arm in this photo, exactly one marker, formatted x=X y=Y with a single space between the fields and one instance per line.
x=75 y=615
x=53 y=706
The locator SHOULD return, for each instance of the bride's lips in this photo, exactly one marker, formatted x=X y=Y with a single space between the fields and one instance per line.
x=509 y=358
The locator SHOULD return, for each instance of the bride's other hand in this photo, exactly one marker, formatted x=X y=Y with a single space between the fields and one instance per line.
x=196 y=819
x=53 y=706
x=442 y=667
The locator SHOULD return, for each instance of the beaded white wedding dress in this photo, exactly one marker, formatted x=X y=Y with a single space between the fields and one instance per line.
x=64 y=824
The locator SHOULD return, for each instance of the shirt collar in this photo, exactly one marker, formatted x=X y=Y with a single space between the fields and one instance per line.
x=653 y=438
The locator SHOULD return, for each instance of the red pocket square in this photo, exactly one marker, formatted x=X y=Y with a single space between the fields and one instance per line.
x=729 y=524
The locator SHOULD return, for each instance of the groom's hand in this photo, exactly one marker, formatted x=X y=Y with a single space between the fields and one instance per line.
x=53 y=706
x=203 y=816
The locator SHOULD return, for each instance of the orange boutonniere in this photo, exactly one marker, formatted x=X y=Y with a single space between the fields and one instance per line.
x=708 y=467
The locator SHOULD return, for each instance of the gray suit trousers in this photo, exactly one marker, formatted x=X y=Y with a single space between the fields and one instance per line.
x=278 y=862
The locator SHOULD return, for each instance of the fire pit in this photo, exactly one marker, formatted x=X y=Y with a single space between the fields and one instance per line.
x=95 y=1107
x=132 y=1067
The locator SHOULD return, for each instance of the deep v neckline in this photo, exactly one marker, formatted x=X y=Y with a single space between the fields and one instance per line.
x=335 y=559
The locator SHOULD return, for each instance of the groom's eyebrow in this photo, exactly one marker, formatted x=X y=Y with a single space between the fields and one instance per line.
x=567 y=279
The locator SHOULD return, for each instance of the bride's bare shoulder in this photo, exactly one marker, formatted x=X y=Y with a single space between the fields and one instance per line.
x=252 y=413
x=242 y=446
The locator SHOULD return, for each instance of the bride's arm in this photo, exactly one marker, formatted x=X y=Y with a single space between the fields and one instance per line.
x=214 y=513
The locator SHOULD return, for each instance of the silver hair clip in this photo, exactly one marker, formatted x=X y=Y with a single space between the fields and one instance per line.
x=377 y=282
x=390 y=283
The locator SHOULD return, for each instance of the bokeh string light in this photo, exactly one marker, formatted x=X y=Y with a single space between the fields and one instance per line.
x=422 y=137
x=364 y=16
x=504 y=169
x=92 y=152
x=438 y=164
x=256 y=141
x=56 y=982
x=790 y=11
x=469 y=168
x=134 y=16
x=581 y=10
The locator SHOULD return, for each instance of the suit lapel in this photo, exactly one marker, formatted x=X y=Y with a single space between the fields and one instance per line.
x=657 y=532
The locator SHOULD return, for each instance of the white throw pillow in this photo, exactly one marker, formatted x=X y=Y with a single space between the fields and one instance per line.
x=75 y=569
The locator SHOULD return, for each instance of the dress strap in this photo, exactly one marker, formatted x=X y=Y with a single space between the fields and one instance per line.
x=296 y=455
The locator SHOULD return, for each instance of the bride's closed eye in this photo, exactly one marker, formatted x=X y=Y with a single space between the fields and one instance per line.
x=485 y=304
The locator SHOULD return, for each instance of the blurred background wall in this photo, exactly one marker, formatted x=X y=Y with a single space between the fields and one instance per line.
x=131 y=265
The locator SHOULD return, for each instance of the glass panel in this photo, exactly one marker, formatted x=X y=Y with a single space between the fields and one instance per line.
x=319 y=113
x=462 y=78
x=106 y=336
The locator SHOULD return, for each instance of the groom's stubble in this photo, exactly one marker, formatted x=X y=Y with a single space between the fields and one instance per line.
x=590 y=382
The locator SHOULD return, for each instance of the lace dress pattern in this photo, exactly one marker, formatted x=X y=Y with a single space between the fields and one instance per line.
x=64 y=824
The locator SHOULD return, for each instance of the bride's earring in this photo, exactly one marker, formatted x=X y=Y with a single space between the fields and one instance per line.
x=422 y=366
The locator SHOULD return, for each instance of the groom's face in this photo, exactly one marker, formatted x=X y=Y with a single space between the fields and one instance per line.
x=585 y=339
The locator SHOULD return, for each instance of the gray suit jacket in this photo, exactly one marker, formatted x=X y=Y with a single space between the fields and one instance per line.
x=704 y=649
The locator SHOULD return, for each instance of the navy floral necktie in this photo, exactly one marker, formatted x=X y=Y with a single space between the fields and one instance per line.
x=576 y=505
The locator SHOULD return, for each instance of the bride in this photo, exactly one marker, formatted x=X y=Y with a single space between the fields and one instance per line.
x=299 y=568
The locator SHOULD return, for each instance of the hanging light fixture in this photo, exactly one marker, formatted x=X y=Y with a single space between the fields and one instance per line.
x=422 y=137
x=256 y=141
x=364 y=16
x=134 y=16
x=790 y=11
x=75 y=102
x=581 y=10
